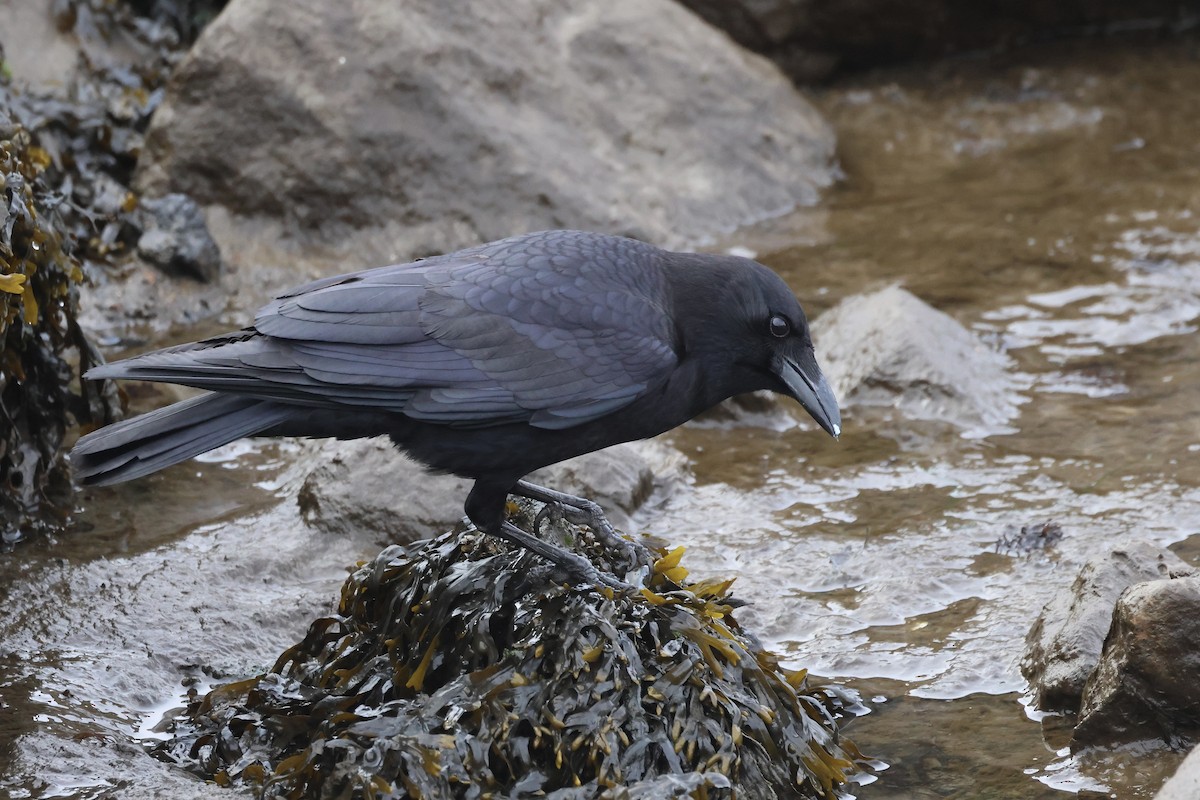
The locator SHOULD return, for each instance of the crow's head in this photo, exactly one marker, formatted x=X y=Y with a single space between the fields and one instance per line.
x=751 y=320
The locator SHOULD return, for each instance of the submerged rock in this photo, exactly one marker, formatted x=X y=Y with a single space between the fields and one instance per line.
x=422 y=128
x=1063 y=647
x=1146 y=686
x=458 y=667
x=891 y=349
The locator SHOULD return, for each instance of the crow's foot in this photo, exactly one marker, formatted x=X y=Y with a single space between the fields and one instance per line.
x=577 y=568
x=581 y=511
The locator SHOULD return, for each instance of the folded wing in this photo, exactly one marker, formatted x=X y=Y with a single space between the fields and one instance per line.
x=550 y=329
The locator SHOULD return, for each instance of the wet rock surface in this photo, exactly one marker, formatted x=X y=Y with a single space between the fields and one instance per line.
x=890 y=349
x=1145 y=686
x=1064 y=646
x=458 y=665
x=417 y=130
x=118 y=636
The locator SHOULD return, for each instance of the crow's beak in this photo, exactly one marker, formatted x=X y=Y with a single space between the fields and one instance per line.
x=805 y=382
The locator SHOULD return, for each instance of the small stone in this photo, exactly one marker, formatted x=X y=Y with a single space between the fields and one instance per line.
x=176 y=239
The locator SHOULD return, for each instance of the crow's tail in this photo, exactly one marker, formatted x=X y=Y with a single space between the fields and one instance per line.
x=150 y=442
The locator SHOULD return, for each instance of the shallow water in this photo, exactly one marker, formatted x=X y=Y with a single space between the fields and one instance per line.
x=1050 y=206
x=1046 y=204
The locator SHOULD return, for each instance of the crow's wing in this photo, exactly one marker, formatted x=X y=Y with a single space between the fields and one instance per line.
x=573 y=325
x=554 y=329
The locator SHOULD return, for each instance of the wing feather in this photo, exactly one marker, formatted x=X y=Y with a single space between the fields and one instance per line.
x=554 y=329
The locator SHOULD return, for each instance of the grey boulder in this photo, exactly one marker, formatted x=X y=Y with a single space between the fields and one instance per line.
x=1147 y=685
x=1064 y=645
x=1185 y=783
x=394 y=129
x=890 y=349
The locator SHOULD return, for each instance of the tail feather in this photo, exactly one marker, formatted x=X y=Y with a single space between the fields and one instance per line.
x=150 y=442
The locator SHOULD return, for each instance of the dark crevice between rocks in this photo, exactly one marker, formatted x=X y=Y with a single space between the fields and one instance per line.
x=821 y=40
x=457 y=667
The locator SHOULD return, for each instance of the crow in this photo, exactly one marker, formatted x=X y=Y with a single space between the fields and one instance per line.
x=487 y=363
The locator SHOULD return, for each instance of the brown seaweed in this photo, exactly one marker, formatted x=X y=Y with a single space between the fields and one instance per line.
x=458 y=668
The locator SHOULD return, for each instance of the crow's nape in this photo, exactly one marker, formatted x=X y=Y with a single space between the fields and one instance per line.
x=150 y=442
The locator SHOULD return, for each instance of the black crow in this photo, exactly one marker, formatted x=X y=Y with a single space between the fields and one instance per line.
x=487 y=363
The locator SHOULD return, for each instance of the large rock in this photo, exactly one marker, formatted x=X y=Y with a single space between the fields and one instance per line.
x=809 y=39
x=392 y=129
x=367 y=485
x=1063 y=647
x=891 y=349
x=1147 y=685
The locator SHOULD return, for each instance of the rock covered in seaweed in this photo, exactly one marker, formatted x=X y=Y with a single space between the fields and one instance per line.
x=459 y=668
x=43 y=350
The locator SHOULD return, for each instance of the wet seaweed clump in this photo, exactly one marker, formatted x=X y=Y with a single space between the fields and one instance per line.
x=91 y=130
x=458 y=668
x=44 y=350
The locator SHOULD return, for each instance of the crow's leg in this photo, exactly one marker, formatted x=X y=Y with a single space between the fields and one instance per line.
x=582 y=511
x=485 y=508
x=576 y=566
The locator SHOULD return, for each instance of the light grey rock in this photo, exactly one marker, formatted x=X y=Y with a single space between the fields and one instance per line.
x=175 y=237
x=1063 y=647
x=620 y=478
x=368 y=485
x=394 y=129
x=1147 y=684
x=1185 y=783
x=891 y=349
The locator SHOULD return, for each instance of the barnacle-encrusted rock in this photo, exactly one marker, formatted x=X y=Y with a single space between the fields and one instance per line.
x=458 y=667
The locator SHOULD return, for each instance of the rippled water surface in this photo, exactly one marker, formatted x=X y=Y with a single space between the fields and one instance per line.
x=1049 y=204
x=1051 y=207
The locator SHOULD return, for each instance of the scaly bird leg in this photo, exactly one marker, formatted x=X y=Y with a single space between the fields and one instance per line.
x=576 y=566
x=581 y=511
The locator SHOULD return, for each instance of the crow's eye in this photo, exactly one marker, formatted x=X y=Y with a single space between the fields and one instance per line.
x=779 y=326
